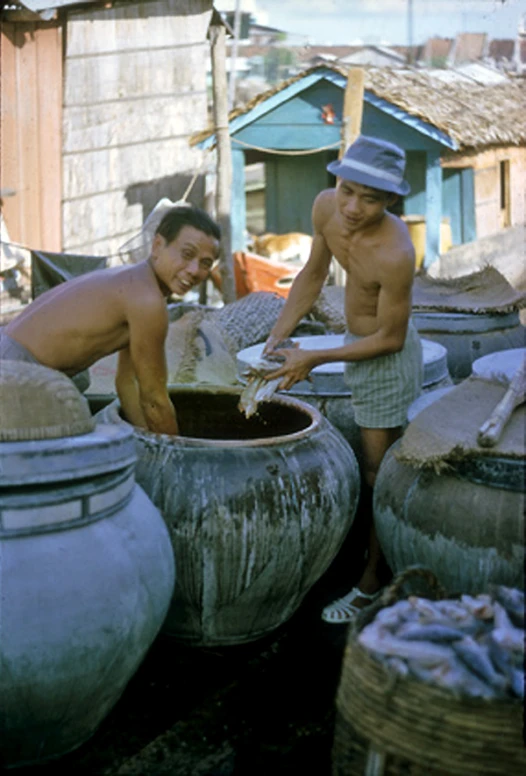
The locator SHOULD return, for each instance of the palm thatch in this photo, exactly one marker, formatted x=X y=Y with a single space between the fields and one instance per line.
x=473 y=115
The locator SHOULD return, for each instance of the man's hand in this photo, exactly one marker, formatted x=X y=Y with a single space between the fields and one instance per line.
x=273 y=343
x=297 y=365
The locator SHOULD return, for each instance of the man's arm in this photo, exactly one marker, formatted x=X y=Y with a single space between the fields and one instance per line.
x=128 y=390
x=393 y=312
x=307 y=284
x=148 y=326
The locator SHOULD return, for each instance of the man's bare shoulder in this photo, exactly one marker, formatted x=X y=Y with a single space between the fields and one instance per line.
x=396 y=252
x=142 y=296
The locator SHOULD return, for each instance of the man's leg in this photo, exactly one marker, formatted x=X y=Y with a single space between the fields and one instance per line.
x=375 y=442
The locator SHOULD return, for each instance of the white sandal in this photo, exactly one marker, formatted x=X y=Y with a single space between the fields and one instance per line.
x=343 y=611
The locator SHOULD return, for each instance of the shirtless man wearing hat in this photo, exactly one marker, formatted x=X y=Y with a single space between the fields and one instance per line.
x=73 y=325
x=382 y=349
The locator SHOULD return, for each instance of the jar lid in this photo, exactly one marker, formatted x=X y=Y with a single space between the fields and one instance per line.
x=40 y=403
x=329 y=378
x=108 y=448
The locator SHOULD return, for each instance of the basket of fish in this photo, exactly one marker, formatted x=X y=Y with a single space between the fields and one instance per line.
x=433 y=685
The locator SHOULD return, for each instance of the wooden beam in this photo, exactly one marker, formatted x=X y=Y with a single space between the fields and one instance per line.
x=352 y=108
x=433 y=207
x=217 y=35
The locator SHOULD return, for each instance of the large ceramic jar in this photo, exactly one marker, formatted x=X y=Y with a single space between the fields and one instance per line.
x=466 y=524
x=86 y=566
x=328 y=391
x=257 y=509
x=469 y=336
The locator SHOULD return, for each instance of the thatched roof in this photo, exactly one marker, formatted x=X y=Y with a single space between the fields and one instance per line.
x=473 y=115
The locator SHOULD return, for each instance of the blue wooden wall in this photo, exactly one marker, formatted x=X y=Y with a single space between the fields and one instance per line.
x=292 y=121
x=458 y=199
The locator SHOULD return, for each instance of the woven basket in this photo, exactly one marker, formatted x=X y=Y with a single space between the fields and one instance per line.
x=392 y=725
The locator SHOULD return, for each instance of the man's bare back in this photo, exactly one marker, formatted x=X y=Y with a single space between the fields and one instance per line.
x=123 y=310
x=75 y=324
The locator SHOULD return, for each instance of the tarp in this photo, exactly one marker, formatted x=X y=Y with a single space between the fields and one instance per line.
x=51 y=269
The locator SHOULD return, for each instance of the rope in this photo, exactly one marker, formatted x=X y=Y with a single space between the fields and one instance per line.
x=196 y=174
x=286 y=153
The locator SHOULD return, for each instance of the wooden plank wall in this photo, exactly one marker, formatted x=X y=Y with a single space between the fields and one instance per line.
x=486 y=165
x=30 y=132
x=135 y=90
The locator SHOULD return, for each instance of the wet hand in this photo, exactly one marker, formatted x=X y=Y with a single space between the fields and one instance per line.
x=296 y=366
x=274 y=343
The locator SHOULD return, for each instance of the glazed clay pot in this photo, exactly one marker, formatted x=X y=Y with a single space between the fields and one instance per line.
x=86 y=577
x=466 y=525
x=256 y=509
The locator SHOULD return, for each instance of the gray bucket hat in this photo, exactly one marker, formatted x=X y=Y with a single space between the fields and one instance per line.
x=375 y=163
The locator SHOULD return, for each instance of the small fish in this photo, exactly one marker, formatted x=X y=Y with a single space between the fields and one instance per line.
x=397 y=666
x=512 y=599
x=428 y=611
x=258 y=389
x=501 y=618
x=500 y=656
x=478 y=661
x=454 y=676
x=511 y=639
x=480 y=607
x=517 y=682
x=426 y=653
x=429 y=632
x=392 y=616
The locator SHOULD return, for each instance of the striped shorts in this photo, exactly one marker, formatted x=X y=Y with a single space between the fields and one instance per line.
x=383 y=388
x=11 y=350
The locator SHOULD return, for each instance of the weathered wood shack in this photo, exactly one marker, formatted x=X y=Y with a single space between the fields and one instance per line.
x=465 y=145
x=99 y=100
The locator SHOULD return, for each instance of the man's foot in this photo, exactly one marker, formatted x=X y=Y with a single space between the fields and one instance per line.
x=343 y=610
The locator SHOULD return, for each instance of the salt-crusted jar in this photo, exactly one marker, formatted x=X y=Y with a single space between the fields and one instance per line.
x=86 y=566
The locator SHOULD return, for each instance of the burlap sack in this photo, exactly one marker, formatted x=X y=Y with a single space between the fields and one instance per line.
x=446 y=431
x=486 y=291
x=199 y=351
x=40 y=403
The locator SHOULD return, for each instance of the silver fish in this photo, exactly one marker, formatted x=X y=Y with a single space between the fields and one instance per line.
x=512 y=599
x=500 y=657
x=398 y=666
x=428 y=611
x=429 y=632
x=517 y=682
x=426 y=653
x=453 y=675
x=392 y=616
x=478 y=661
x=258 y=389
x=511 y=639
x=480 y=607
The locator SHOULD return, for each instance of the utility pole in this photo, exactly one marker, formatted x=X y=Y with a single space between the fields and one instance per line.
x=409 y=57
x=233 y=56
x=217 y=34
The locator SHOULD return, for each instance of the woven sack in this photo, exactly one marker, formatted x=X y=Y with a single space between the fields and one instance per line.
x=40 y=403
x=391 y=725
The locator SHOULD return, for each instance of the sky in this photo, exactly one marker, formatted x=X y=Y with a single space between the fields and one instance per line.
x=337 y=22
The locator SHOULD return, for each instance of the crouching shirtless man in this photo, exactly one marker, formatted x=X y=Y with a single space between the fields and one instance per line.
x=73 y=325
x=382 y=349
